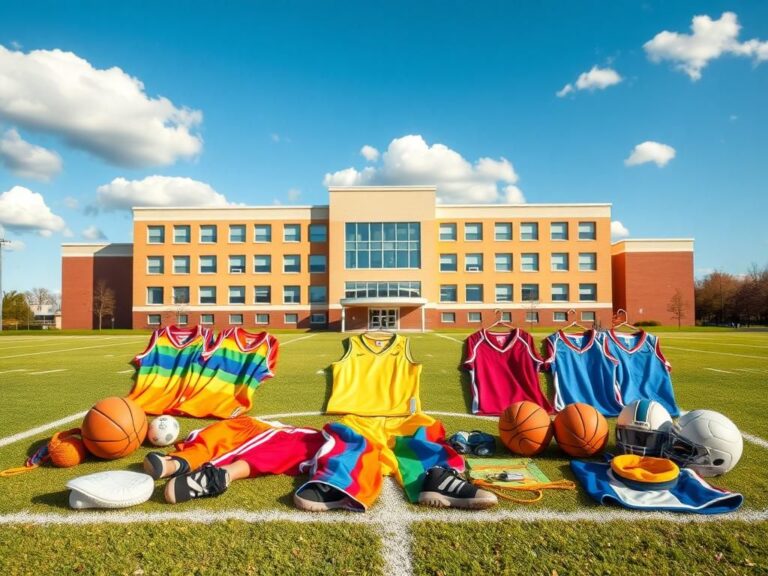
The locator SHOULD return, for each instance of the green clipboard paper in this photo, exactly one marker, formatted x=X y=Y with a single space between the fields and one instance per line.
x=521 y=472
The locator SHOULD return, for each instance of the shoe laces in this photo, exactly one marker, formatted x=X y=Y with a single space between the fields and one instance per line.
x=215 y=479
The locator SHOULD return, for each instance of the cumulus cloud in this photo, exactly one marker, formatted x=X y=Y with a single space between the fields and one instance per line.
x=369 y=153
x=293 y=195
x=122 y=194
x=656 y=152
x=618 y=230
x=709 y=40
x=595 y=79
x=94 y=233
x=22 y=210
x=410 y=160
x=27 y=160
x=103 y=111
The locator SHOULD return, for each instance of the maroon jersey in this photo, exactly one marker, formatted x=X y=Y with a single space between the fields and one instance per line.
x=504 y=368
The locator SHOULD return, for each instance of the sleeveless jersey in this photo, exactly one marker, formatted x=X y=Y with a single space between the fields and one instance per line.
x=376 y=378
x=233 y=367
x=643 y=371
x=171 y=362
x=503 y=369
x=583 y=371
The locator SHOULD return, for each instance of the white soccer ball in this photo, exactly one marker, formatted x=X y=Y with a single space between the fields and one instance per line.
x=163 y=430
x=705 y=441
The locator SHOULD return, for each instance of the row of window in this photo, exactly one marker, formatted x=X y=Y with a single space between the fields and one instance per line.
x=236 y=295
x=316 y=318
x=529 y=262
x=531 y=316
x=236 y=264
x=377 y=245
x=528 y=293
x=396 y=289
x=473 y=231
x=209 y=233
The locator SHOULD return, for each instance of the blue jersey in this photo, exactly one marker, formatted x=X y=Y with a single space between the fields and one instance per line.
x=643 y=371
x=583 y=371
x=690 y=494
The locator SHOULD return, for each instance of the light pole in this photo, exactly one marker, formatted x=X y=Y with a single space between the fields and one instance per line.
x=3 y=242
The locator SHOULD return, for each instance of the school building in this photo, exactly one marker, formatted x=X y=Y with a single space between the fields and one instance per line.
x=377 y=257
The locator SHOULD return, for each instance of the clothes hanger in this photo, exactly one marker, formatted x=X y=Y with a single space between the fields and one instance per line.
x=574 y=324
x=625 y=324
x=500 y=322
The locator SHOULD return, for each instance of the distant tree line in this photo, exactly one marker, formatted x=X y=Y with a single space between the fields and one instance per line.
x=19 y=307
x=724 y=299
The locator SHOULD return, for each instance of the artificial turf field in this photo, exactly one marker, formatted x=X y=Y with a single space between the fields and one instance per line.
x=254 y=529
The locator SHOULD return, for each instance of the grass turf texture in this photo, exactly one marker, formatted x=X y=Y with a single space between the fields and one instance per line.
x=724 y=371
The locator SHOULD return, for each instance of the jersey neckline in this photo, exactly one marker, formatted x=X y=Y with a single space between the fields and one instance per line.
x=512 y=337
x=389 y=345
x=258 y=336
x=172 y=331
x=617 y=339
x=567 y=341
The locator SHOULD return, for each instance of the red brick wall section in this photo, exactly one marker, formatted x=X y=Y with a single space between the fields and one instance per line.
x=77 y=293
x=619 y=275
x=117 y=273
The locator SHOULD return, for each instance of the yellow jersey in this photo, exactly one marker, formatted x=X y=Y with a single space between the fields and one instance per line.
x=376 y=377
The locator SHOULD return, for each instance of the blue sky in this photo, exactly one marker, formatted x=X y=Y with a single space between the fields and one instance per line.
x=106 y=104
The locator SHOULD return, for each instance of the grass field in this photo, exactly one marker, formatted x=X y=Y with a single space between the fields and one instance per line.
x=254 y=528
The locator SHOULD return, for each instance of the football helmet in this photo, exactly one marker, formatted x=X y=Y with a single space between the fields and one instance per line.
x=642 y=428
x=706 y=442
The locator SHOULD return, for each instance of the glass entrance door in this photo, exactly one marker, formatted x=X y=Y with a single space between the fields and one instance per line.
x=382 y=319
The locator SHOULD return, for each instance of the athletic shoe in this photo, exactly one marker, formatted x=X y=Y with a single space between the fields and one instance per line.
x=481 y=444
x=208 y=481
x=444 y=488
x=319 y=497
x=154 y=464
x=460 y=442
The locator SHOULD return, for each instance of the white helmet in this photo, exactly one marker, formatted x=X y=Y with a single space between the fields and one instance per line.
x=642 y=428
x=705 y=441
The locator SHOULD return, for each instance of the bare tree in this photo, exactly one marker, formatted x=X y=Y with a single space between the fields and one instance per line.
x=103 y=301
x=677 y=306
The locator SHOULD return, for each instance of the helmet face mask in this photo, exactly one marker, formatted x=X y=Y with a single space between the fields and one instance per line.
x=683 y=451
x=641 y=442
x=642 y=428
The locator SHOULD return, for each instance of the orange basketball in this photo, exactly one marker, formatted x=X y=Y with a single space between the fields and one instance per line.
x=525 y=428
x=114 y=428
x=580 y=430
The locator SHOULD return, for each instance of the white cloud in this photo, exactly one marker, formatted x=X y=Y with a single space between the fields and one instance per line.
x=709 y=40
x=293 y=195
x=369 y=153
x=618 y=230
x=649 y=151
x=27 y=160
x=22 y=210
x=410 y=160
x=595 y=79
x=103 y=111
x=94 y=233
x=71 y=202
x=122 y=194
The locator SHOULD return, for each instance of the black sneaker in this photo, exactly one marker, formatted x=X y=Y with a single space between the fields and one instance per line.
x=154 y=464
x=319 y=497
x=444 y=488
x=208 y=481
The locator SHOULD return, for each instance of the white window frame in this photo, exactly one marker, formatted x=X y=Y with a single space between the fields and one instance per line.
x=535 y=228
x=455 y=233
x=584 y=317
x=269 y=294
x=200 y=263
x=466 y=298
x=466 y=229
x=448 y=317
x=268 y=227
x=200 y=296
x=215 y=233
x=478 y=266
x=535 y=262
x=189 y=234
x=563 y=319
x=593 y=263
x=552 y=262
x=259 y=322
x=162 y=296
x=151 y=316
x=286 y=227
x=203 y=319
x=296 y=258
x=162 y=235
x=455 y=262
x=293 y=315
x=269 y=260
x=245 y=233
x=552 y=232
x=455 y=289
x=511 y=292
x=567 y=291
x=229 y=296
x=594 y=292
x=471 y=315
x=298 y=300
x=229 y=263
x=161 y=259
x=233 y=323
x=594 y=231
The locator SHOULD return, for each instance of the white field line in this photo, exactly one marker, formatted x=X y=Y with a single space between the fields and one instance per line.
x=297 y=339
x=68 y=350
x=47 y=371
x=714 y=342
x=714 y=352
x=14 y=370
x=32 y=341
x=751 y=370
x=126 y=371
x=721 y=371
x=35 y=431
x=755 y=440
x=449 y=338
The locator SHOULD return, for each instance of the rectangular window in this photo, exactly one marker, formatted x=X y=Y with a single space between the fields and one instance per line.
x=208 y=234
x=262 y=318
x=318 y=294
x=587 y=316
x=237 y=233
x=587 y=231
x=532 y=317
x=529 y=231
x=318 y=318
x=474 y=293
x=473 y=263
x=262 y=264
x=529 y=262
x=502 y=231
x=449 y=293
x=473 y=231
x=318 y=233
x=262 y=232
x=506 y=317
x=181 y=265
x=207 y=294
x=448 y=317
x=530 y=292
x=448 y=232
x=291 y=294
x=559 y=292
x=503 y=292
x=207 y=264
x=559 y=261
x=153 y=319
x=262 y=294
x=587 y=292
x=503 y=262
x=235 y=319
x=237 y=264
x=292 y=233
x=377 y=245
x=318 y=263
x=587 y=261
x=448 y=263
x=182 y=319
x=291 y=319
x=399 y=289
x=155 y=295
x=560 y=316
x=291 y=263
x=237 y=294
x=155 y=265
x=558 y=231
x=155 y=234
x=181 y=294
x=206 y=319
x=474 y=317
x=182 y=234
